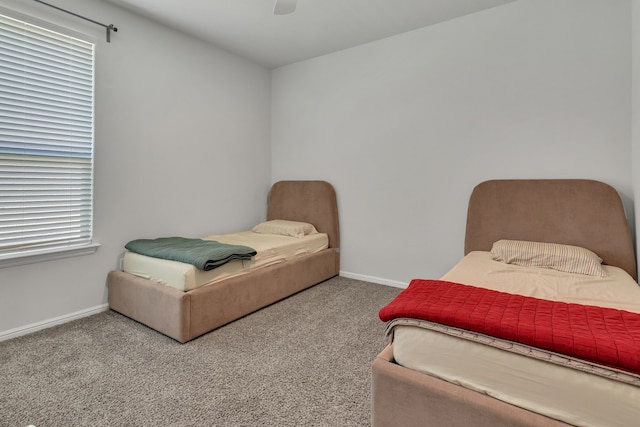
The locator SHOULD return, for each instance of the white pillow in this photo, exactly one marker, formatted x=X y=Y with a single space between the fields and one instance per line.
x=285 y=228
x=571 y=259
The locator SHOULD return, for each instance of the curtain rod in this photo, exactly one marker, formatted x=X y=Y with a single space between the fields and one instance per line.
x=109 y=27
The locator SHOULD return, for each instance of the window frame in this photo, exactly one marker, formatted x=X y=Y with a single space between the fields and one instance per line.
x=73 y=250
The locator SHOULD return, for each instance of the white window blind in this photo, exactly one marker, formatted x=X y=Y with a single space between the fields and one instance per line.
x=46 y=139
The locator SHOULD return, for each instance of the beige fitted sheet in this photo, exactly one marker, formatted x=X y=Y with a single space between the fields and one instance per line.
x=618 y=290
x=558 y=391
x=271 y=249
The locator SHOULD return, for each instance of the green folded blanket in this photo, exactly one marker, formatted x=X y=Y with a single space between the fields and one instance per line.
x=204 y=254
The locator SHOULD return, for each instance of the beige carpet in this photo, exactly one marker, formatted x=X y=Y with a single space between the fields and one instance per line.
x=304 y=361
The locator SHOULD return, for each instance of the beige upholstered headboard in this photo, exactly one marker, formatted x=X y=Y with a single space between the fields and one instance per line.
x=575 y=212
x=308 y=201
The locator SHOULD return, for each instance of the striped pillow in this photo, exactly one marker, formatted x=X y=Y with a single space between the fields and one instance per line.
x=571 y=259
x=285 y=228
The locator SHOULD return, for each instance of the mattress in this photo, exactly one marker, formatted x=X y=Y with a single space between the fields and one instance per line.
x=271 y=249
x=546 y=383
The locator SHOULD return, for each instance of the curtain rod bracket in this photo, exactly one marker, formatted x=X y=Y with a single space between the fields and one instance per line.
x=109 y=27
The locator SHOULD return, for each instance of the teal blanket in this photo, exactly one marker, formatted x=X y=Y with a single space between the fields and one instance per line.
x=204 y=254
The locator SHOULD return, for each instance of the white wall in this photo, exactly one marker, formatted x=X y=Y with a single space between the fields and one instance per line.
x=404 y=128
x=182 y=135
x=407 y=126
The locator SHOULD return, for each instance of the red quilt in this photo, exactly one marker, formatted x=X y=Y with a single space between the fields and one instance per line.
x=602 y=335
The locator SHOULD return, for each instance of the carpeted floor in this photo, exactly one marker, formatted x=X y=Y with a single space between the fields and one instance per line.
x=305 y=361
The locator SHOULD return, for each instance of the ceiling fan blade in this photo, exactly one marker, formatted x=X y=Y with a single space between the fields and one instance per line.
x=283 y=7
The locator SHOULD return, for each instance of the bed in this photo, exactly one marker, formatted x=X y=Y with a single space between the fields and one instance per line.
x=456 y=381
x=184 y=312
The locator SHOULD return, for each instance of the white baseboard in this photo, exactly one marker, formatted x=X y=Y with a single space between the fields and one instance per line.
x=34 y=327
x=371 y=279
x=23 y=330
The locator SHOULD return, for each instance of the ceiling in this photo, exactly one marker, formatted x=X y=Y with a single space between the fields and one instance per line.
x=317 y=27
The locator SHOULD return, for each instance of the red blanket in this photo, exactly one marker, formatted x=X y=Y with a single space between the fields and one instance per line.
x=602 y=335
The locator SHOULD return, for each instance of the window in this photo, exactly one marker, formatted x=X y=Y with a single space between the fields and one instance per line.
x=46 y=141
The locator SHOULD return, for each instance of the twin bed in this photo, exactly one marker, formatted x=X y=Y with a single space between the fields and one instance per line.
x=448 y=369
x=184 y=302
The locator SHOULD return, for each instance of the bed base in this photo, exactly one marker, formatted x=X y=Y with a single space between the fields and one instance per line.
x=184 y=316
x=403 y=397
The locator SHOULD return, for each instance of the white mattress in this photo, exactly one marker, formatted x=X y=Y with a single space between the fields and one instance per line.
x=271 y=249
x=559 y=391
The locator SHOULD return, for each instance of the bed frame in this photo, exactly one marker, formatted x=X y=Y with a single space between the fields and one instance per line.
x=576 y=212
x=184 y=316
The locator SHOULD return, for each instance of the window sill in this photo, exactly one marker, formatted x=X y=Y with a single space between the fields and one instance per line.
x=47 y=255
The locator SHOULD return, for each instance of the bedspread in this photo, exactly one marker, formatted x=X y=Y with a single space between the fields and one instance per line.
x=607 y=336
x=204 y=254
